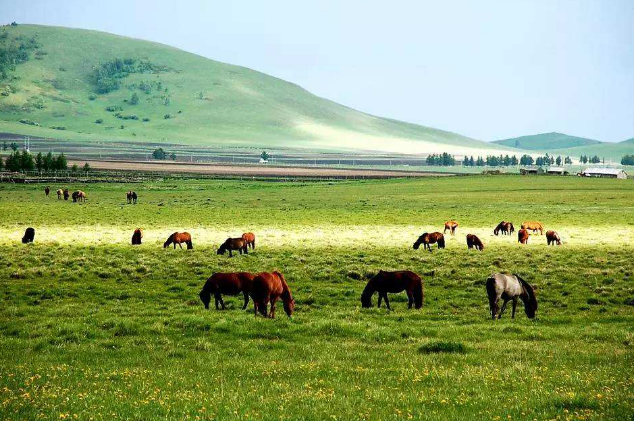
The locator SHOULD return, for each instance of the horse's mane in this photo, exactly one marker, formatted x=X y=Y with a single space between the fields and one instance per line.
x=529 y=291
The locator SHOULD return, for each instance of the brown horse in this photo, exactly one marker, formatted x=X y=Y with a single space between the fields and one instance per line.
x=474 y=242
x=231 y=283
x=79 y=196
x=553 y=238
x=269 y=287
x=249 y=237
x=66 y=194
x=179 y=238
x=426 y=239
x=451 y=226
x=233 y=244
x=522 y=236
x=394 y=282
x=136 y=237
x=510 y=288
x=506 y=228
x=60 y=193
x=131 y=196
x=533 y=226
x=47 y=190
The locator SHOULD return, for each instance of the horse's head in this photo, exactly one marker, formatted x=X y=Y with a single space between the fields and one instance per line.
x=221 y=249
x=168 y=242
x=205 y=297
x=368 y=291
x=529 y=298
x=289 y=306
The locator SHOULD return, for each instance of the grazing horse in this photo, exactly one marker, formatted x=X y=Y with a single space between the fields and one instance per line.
x=506 y=228
x=249 y=237
x=66 y=194
x=233 y=244
x=79 y=196
x=451 y=226
x=136 y=237
x=474 y=242
x=131 y=195
x=553 y=238
x=269 y=287
x=394 y=282
x=522 y=236
x=29 y=236
x=47 y=191
x=533 y=226
x=60 y=193
x=426 y=239
x=231 y=283
x=179 y=238
x=510 y=288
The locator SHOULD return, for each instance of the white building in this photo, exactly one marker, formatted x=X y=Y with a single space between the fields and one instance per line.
x=604 y=172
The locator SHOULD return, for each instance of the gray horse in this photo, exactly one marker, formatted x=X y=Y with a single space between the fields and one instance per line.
x=509 y=288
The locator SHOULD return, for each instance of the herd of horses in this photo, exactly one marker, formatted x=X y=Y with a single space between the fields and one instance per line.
x=266 y=288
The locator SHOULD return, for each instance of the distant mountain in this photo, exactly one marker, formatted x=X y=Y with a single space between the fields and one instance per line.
x=546 y=141
x=610 y=151
x=86 y=85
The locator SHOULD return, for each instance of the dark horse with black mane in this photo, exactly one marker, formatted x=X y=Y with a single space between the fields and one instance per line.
x=474 y=242
x=426 y=239
x=239 y=244
x=29 y=236
x=506 y=228
x=231 y=283
x=269 y=287
x=509 y=288
x=394 y=282
x=137 y=236
x=179 y=238
x=131 y=196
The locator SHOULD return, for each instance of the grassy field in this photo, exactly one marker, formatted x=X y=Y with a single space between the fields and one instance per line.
x=92 y=328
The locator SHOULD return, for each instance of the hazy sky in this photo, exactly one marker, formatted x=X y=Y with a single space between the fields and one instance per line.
x=488 y=69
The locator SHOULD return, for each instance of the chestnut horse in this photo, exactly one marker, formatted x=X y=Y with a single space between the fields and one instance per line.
x=533 y=226
x=426 y=239
x=231 y=283
x=60 y=192
x=136 y=237
x=47 y=191
x=553 y=238
x=269 y=287
x=510 y=288
x=233 y=244
x=451 y=226
x=394 y=282
x=474 y=242
x=506 y=228
x=522 y=236
x=179 y=238
x=131 y=196
x=249 y=237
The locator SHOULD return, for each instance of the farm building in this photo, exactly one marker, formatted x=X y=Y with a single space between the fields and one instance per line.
x=532 y=170
x=604 y=172
x=557 y=171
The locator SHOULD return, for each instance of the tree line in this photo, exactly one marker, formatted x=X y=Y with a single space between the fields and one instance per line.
x=24 y=161
x=584 y=159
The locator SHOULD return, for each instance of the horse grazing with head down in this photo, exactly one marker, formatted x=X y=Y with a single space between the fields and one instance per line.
x=509 y=288
x=231 y=283
x=394 y=282
x=522 y=236
x=506 y=228
x=533 y=226
x=179 y=238
x=136 y=237
x=131 y=196
x=249 y=237
x=47 y=190
x=426 y=239
x=451 y=226
x=29 y=236
x=474 y=242
x=66 y=194
x=230 y=244
x=60 y=193
x=553 y=238
x=79 y=196
x=270 y=287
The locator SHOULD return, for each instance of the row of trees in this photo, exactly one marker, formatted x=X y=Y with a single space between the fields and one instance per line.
x=627 y=160
x=584 y=159
x=160 y=153
x=443 y=159
x=507 y=161
x=25 y=161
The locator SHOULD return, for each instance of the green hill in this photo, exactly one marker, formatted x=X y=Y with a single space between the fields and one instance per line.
x=85 y=85
x=609 y=151
x=546 y=142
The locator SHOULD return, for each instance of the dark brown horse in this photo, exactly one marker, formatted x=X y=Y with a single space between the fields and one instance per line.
x=29 y=236
x=553 y=238
x=249 y=237
x=394 y=282
x=506 y=228
x=269 y=287
x=426 y=239
x=47 y=190
x=510 y=288
x=474 y=242
x=136 y=237
x=231 y=244
x=232 y=283
x=131 y=196
x=533 y=226
x=66 y=194
x=79 y=196
x=451 y=226
x=522 y=236
x=179 y=238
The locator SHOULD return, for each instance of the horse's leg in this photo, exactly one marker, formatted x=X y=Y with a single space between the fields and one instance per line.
x=230 y=253
x=180 y=245
x=503 y=308
x=246 y=249
x=272 y=313
x=216 y=295
x=513 y=308
x=246 y=300
x=380 y=299
x=410 y=299
x=387 y=302
x=493 y=306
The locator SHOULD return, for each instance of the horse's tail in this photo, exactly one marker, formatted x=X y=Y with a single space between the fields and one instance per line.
x=418 y=294
x=441 y=242
x=491 y=293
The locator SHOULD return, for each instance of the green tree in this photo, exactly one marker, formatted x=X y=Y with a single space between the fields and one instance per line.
x=86 y=167
x=39 y=161
x=60 y=162
x=265 y=156
x=173 y=156
x=4 y=146
x=74 y=168
x=568 y=160
x=627 y=160
x=14 y=146
x=26 y=161
x=48 y=162
x=558 y=160
x=526 y=160
x=134 y=100
x=13 y=162
x=1 y=163
x=201 y=95
x=159 y=153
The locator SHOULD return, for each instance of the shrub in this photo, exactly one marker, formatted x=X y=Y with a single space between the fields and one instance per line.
x=99 y=121
x=167 y=116
x=442 y=347
x=29 y=122
x=92 y=97
x=58 y=127
x=113 y=108
x=145 y=119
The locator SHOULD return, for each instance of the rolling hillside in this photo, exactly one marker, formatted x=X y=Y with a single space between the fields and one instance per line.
x=85 y=85
x=609 y=151
x=546 y=141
